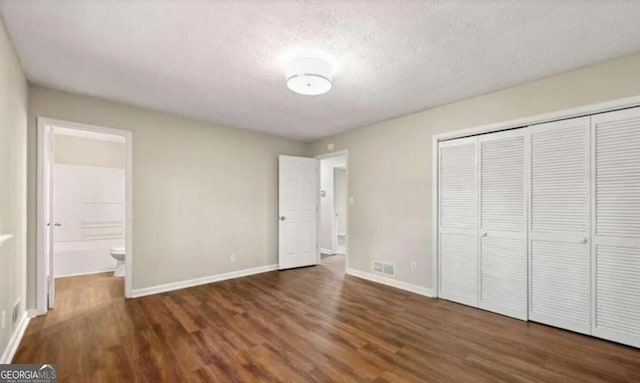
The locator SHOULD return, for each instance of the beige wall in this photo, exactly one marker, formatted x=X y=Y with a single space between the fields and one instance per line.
x=390 y=162
x=201 y=191
x=13 y=135
x=83 y=151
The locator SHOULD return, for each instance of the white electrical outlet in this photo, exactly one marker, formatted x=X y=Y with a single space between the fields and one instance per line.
x=414 y=266
x=232 y=258
x=351 y=201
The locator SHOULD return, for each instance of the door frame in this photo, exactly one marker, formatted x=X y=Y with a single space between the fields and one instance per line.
x=324 y=156
x=41 y=272
x=334 y=220
x=581 y=111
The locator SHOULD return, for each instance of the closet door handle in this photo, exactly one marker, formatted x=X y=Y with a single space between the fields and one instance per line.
x=484 y=234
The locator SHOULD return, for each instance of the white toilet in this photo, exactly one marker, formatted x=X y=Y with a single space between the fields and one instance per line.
x=118 y=254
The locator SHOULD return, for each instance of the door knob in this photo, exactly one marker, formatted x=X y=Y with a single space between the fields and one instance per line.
x=282 y=218
x=484 y=234
x=57 y=224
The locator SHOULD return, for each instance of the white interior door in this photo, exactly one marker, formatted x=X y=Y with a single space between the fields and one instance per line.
x=560 y=279
x=458 y=221
x=298 y=207
x=616 y=226
x=503 y=223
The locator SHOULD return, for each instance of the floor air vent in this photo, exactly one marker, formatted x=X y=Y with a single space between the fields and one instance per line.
x=385 y=268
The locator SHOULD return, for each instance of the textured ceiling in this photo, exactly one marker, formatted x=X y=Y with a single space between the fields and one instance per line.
x=224 y=61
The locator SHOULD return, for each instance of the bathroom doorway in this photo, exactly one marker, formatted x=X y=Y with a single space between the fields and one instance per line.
x=84 y=213
x=334 y=202
x=340 y=208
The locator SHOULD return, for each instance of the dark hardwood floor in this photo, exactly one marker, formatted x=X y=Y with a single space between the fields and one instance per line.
x=306 y=325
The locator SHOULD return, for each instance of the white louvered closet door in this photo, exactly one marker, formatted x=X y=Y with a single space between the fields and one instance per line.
x=458 y=221
x=560 y=278
x=616 y=226
x=503 y=223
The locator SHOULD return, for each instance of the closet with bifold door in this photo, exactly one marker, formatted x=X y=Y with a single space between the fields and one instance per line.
x=542 y=223
x=458 y=217
x=503 y=223
x=615 y=229
x=559 y=228
x=483 y=224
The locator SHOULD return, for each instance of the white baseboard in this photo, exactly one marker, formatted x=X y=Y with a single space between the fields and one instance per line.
x=392 y=282
x=201 y=281
x=326 y=251
x=16 y=337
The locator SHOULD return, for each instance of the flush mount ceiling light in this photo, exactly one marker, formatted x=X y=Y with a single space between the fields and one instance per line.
x=309 y=76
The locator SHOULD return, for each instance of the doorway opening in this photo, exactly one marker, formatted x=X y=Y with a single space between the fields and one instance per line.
x=333 y=209
x=84 y=215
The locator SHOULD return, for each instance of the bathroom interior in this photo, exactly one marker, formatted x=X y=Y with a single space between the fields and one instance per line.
x=88 y=205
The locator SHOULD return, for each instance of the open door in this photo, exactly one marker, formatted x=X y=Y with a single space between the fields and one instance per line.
x=298 y=207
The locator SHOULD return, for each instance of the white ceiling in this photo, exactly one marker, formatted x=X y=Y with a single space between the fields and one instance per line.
x=223 y=61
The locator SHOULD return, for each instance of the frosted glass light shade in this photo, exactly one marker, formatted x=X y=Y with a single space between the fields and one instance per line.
x=309 y=76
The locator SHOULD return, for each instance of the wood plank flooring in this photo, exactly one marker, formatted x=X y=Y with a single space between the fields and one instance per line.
x=305 y=325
